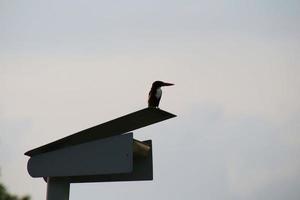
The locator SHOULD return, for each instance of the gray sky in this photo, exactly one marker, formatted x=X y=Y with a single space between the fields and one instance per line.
x=69 y=65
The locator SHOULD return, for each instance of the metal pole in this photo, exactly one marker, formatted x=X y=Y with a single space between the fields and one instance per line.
x=57 y=189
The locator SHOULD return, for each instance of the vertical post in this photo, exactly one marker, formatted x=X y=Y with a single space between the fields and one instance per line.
x=57 y=189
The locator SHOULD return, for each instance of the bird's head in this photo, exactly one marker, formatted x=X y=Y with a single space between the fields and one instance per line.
x=158 y=84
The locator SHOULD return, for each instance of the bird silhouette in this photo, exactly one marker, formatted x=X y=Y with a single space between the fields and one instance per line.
x=156 y=92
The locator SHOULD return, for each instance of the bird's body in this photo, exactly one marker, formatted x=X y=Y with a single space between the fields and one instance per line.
x=154 y=97
x=156 y=93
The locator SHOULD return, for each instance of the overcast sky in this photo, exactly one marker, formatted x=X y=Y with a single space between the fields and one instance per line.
x=69 y=65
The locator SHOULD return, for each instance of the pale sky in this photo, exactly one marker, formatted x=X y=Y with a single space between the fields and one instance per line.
x=69 y=65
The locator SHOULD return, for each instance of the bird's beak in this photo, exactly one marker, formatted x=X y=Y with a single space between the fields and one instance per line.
x=168 y=84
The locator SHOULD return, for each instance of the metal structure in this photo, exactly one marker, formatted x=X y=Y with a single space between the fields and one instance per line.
x=103 y=153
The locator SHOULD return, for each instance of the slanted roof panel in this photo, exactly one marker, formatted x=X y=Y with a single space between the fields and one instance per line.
x=124 y=124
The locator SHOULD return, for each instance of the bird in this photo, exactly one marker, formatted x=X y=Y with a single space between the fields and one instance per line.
x=156 y=92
